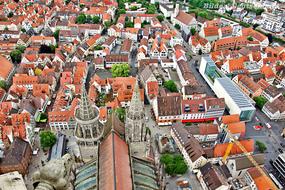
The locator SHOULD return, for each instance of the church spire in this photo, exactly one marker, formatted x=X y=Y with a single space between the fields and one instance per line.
x=86 y=111
x=135 y=118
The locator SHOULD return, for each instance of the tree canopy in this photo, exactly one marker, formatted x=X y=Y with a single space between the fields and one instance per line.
x=151 y=9
x=96 y=20
x=160 y=18
x=170 y=85
x=177 y=26
x=47 y=139
x=120 y=70
x=81 y=19
x=47 y=49
x=121 y=112
x=193 y=31
x=174 y=164
x=16 y=56
x=261 y=146
x=3 y=84
x=260 y=101
x=56 y=34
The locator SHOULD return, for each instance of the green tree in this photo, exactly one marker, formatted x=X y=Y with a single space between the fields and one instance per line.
x=174 y=164
x=3 y=84
x=120 y=70
x=98 y=47
x=260 y=101
x=56 y=34
x=177 y=26
x=160 y=18
x=151 y=9
x=89 y=19
x=193 y=31
x=261 y=146
x=16 y=56
x=107 y=24
x=121 y=112
x=134 y=8
x=250 y=38
x=121 y=11
x=96 y=19
x=10 y=14
x=81 y=19
x=170 y=85
x=47 y=139
x=21 y=48
x=129 y=24
x=145 y=23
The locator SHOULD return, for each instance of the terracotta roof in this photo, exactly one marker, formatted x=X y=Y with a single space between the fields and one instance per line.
x=226 y=119
x=23 y=79
x=152 y=88
x=261 y=181
x=126 y=46
x=184 y=17
x=220 y=149
x=211 y=31
x=114 y=167
x=249 y=83
x=237 y=128
x=91 y=41
x=263 y=84
x=267 y=71
x=6 y=67
x=236 y=64
x=253 y=33
x=117 y=58
x=207 y=129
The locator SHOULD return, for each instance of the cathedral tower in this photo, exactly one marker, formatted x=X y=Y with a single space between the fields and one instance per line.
x=135 y=118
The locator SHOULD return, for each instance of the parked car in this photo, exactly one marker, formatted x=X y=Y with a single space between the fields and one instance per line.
x=268 y=125
x=257 y=127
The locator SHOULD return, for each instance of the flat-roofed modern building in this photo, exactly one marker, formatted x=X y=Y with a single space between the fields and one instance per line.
x=279 y=164
x=236 y=101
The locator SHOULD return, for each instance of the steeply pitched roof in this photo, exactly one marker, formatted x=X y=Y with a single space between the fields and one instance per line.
x=6 y=67
x=184 y=17
x=114 y=167
x=16 y=152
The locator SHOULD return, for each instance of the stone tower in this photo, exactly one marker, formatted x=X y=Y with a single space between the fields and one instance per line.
x=88 y=130
x=135 y=118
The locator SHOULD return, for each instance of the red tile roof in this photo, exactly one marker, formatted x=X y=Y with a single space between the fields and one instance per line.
x=220 y=149
x=114 y=167
x=6 y=67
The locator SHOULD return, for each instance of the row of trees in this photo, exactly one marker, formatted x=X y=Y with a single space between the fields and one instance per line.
x=82 y=19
